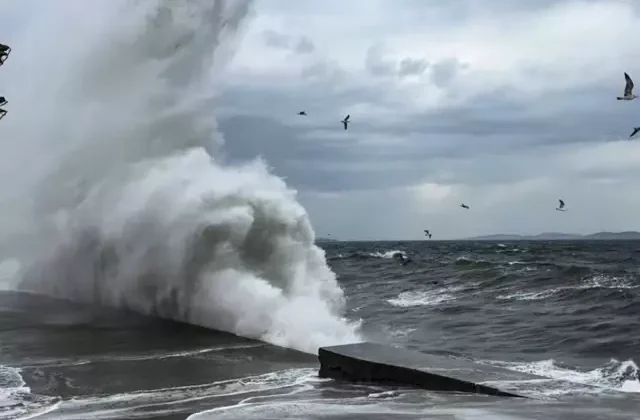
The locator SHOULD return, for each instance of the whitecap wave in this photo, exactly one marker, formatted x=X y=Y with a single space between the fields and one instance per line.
x=131 y=204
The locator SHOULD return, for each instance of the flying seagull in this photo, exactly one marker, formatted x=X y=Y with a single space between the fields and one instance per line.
x=628 y=90
x=561 y=206
x=635 y=130
x=427 y=233
x=464 y=206
x=345 y=121
x=302 y=113
x=3 y=102
x=5 y=50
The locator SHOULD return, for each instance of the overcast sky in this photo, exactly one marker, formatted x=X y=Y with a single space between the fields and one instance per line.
x=505 y=105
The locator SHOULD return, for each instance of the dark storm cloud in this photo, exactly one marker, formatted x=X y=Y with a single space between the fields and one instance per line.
x=312 y=163
x=304 y=46
x=416 y=77
x=412 y=67
x=580 y=116
x=377 y=64
x=300 y=45
x=492 y=126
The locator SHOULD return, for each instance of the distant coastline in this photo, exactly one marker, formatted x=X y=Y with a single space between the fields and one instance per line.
x=546 y=236
x=557 y=236
x=325 y=240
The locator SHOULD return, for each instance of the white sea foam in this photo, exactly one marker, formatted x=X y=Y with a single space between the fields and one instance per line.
x=116 y=190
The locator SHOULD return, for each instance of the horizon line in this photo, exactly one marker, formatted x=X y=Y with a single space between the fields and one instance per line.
x=488 y=237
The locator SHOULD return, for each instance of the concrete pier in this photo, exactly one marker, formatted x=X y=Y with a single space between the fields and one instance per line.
x=381 y=364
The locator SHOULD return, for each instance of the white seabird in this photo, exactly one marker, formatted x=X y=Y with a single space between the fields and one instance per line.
x=628 y=90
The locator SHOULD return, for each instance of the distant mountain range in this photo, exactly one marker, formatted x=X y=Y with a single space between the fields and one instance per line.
x=556 y=236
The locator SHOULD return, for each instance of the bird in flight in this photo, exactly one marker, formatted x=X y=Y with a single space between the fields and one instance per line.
x=427 y=233
x=464 y=206
x=3 y=102
x=561 y=206
x=302 y=113
x=345 y=121
x=635 y=130
x=628 y=90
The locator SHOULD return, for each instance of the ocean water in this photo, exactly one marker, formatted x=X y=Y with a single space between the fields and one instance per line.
x=563 y=310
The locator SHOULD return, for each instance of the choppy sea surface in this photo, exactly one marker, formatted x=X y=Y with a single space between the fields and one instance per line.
x=568 y=311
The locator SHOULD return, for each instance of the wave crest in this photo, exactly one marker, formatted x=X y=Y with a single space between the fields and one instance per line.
x=132 y=210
